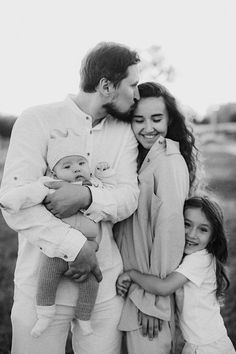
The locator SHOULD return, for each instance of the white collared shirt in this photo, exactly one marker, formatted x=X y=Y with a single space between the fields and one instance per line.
x=38 y=229
x=200 y=319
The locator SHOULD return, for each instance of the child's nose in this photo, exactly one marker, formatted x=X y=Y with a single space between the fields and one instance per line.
x=76 y=167
x=192 y=233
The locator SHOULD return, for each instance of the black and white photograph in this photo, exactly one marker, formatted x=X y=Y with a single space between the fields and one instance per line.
x=117 y=177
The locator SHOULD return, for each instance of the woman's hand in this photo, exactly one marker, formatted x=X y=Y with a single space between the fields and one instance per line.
x=150 y=326
x=122 y=284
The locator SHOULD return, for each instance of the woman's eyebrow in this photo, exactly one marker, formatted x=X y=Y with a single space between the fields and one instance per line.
x=157 y=115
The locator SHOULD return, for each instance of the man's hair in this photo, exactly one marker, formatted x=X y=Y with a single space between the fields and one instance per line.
x=106 y=60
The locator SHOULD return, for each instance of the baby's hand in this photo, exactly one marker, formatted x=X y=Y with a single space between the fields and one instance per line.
x=102 y=166
x=122 y=284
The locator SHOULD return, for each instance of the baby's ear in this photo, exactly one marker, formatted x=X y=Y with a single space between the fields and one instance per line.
x=58 y=133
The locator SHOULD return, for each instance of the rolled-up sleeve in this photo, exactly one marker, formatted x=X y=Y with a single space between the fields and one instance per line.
x=121 y=201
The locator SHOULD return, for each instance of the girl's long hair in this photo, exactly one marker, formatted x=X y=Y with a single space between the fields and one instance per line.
x=177 y=129
x=217 y=245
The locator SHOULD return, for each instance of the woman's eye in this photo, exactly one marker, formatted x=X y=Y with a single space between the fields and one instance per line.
x=138 y=120
x=67 y=166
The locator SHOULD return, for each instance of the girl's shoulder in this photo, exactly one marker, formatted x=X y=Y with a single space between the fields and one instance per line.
x=199 y=261
x=196 y=266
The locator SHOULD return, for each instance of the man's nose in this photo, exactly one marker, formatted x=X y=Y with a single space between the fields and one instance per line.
x=136 y=94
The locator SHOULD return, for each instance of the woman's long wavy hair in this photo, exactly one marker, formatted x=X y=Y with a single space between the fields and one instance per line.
x=177 y=129
x=217 y=245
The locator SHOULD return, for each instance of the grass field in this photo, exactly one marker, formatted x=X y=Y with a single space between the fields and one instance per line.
x=220 y=166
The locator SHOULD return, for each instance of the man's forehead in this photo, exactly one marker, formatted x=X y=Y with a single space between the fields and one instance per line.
x=133 y=73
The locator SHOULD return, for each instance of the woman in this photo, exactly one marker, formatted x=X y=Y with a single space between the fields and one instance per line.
x=152 y=239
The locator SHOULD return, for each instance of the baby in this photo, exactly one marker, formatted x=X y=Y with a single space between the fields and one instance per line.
x=67 y=161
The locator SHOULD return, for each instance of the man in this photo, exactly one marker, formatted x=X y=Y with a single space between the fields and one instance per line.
x=108 y=91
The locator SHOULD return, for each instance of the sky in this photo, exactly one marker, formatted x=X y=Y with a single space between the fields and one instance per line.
x=42 y=43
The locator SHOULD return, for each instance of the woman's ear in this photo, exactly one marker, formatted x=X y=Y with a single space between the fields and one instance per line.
x=106 y=87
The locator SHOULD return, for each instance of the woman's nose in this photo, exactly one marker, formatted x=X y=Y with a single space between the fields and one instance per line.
x=148 y=126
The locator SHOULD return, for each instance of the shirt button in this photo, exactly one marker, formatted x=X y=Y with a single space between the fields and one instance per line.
x=40 y=248
x=148 y=160
x=65 y=256
x=91 y=132
x=15 y=178
x=87 y=118
x=88 y=153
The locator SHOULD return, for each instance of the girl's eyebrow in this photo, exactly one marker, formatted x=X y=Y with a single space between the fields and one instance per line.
x=207 y=225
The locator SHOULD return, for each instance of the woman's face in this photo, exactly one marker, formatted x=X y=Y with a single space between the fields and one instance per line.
x=150 y=121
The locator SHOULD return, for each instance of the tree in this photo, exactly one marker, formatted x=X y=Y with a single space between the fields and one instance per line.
x=6 y=124
x=154 y=66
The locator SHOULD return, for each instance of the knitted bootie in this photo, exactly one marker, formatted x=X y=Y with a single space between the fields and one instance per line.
x=45 y=316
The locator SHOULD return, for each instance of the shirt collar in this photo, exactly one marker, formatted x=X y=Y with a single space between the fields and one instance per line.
x=162 y=144
x=69 y=99
x=171 y=146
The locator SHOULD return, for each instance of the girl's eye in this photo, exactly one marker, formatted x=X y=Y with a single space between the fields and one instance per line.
x=67 y=166
x=203 y=229
x=81 y=163
x=186 y=224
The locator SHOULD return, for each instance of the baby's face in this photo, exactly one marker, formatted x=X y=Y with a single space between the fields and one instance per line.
x=72 y=169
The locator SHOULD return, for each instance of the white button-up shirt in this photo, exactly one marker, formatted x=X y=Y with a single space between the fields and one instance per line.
x=110 y=140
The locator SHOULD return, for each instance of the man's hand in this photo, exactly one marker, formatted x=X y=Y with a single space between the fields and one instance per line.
x=150 y=325
x=122 y=284
x=67 y=199
x=84 y=263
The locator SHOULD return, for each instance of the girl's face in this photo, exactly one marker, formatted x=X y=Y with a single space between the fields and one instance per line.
x=150 y=121
x=198 y=230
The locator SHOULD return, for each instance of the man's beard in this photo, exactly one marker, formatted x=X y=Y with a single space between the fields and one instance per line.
x=115 y=113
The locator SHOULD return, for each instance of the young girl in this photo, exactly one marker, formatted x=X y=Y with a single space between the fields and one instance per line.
x=152 y=239
x=201 y=277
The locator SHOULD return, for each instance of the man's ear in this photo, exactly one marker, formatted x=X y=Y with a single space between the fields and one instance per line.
x=106 y=87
